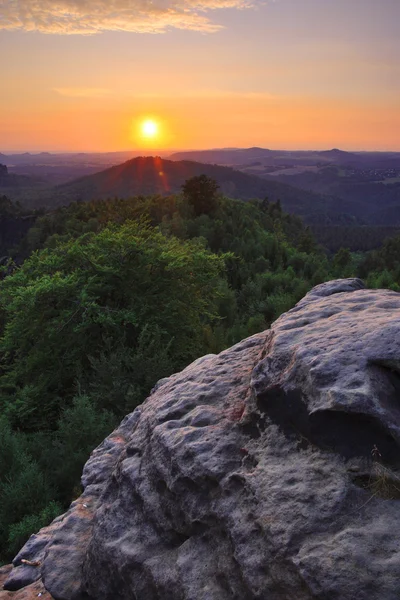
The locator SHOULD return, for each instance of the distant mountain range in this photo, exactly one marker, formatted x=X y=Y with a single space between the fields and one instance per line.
x=246 y=156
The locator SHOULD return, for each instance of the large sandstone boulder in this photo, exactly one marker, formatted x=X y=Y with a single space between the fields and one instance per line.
x=268 y=472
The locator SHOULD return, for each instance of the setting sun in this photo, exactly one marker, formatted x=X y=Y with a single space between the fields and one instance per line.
x=149 y=128
x=151 y=131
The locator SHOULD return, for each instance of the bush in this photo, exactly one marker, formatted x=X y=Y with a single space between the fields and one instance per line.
x=20 y=532
x=80 y=429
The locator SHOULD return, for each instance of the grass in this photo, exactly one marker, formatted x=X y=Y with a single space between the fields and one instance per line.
x=382 y=482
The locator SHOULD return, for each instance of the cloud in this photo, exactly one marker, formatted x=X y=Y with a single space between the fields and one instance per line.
x=206 y=94
x=83 y=92
x=95 y=16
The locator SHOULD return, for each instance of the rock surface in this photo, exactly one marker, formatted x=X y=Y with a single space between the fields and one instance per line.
x=268 y=472
x=30 y=592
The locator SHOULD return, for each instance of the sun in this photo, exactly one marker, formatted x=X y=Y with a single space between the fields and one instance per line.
x=149 y=128
x=149 y=131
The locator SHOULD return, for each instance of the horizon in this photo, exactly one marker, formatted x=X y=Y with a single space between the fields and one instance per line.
x=293 y=74
x=165 y=153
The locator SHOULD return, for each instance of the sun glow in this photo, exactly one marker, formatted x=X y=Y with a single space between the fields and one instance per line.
x=149 y=129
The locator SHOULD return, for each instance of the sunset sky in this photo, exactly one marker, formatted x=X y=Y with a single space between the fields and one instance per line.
x=84 y=74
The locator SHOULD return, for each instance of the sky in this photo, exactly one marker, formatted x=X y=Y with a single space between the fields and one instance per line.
x=83 y=75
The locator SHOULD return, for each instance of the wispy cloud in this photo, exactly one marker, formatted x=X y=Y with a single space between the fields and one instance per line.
x=212 y=94
x=94 y=16
x=83 y=92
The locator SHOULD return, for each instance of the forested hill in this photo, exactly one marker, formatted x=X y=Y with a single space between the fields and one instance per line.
x=153 y=175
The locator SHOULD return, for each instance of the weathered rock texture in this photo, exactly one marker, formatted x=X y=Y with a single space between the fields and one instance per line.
x=267 y=472
x=30 y=592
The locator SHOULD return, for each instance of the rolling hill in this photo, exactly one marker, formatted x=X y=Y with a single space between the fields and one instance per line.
x=242 y=157
x=367 y=183
x=153 y=175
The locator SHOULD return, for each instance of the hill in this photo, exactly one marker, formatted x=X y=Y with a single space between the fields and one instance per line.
x=154 y=175
x=56 y=169
x=244 y=156
x=330 y=187
x=13 y=181
x=367 y=183
x=374 y=193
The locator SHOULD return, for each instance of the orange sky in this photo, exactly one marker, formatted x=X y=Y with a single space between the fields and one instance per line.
x=205 y=122
x=283 y=74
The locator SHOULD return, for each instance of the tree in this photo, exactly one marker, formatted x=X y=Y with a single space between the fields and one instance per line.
x=114 y=292
x=201 y=193
x=307 y=242
x=342 y=258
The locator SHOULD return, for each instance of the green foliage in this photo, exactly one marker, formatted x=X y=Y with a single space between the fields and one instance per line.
x=12 y=455
x=201 y=193
x=359 y=238
x=307 y=242
x=343 y=263
x=63 y=307
x=20 y=532
x=80 y=429
x=342 y=258
x=24 y=492
x=121 y=376
x=381 y=268
x=24 y=487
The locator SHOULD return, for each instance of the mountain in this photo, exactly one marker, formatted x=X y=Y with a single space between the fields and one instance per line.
x=154 y=175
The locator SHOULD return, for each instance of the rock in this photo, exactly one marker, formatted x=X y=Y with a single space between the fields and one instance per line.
x=21 y=577
x=31 y=592
x=4 y=574
x=268 y=472
x=332 y=287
